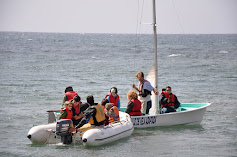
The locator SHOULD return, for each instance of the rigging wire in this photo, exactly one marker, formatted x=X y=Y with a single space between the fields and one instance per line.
x=138 y=28
x=176 y=10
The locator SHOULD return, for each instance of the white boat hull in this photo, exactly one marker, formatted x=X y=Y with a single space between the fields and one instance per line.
x=110 y=133
x=93 y=137
x=189 y=117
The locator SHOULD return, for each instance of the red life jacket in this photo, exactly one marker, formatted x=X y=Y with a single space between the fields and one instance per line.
x=112 y=99
x=140 y=86
x=136 y=109
x=70 y=95
x=69 y=113
x=171 y=97
x=114 y=117
x=77 y=109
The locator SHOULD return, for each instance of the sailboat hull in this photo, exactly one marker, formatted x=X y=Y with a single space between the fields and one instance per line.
x=185 y=116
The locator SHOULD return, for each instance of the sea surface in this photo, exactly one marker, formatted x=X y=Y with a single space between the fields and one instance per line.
x=35 y=68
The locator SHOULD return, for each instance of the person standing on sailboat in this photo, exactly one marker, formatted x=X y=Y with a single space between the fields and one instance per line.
x=144 y=88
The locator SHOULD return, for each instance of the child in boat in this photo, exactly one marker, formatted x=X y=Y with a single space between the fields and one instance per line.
x=66 y=113
x=103 y=103
x=112 y=112
x=134 y=105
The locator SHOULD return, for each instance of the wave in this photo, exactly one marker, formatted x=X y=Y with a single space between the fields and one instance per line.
x=223 y=52
x=175 y=55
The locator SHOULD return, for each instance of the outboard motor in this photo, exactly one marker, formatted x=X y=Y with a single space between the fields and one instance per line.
x=62 y=129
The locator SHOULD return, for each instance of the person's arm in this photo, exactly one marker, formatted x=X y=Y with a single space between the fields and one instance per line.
x=163 y=99
x=118 y=105
x=108 y=98
x=134 y=86
x=129 y=107
x=177 y=103
x=65 y=98
x=88 y=114
x=63 y=114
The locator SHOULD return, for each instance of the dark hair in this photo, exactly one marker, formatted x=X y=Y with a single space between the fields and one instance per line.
x=77 y=98
x=90 y=99
x=163 y=89
x=69 y=88
x=104 y=101
x=116 y=90
x=168 y=87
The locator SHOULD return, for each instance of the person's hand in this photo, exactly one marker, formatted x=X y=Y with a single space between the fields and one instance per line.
x=133 y=86
x=168 y=101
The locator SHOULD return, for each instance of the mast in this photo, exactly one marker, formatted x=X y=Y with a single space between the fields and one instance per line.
x=156 y=60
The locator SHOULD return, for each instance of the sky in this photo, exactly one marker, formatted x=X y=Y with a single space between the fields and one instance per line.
x=119 y=16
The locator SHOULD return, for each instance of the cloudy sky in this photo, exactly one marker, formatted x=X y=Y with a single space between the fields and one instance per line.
x=119 y=16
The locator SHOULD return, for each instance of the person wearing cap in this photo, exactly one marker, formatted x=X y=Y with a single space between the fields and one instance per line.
x=112 y=112
x=94 y=114
x=113 y=97
x=144 y=88
x=69 y=94
x=76 y=109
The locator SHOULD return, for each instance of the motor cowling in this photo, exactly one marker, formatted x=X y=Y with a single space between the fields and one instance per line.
x=62 y=129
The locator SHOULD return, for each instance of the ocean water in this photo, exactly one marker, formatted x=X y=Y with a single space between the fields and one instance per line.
x=35 y=68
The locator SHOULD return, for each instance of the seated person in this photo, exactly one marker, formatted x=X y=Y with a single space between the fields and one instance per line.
x=76 y=109
x=112 y=112
x=168 y=101
x=93 y=115
x=66 y=113
x=113 y=97
x=103 y=103
x=134 y=105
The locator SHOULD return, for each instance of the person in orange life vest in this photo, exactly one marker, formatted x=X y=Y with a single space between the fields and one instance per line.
x=134 y=105
x=77 y=113
x=113 y=97
x=103 y=103
x=69 y=94
x=168 y=101
x=66 y=113
x=112 y=112
x=94 y=114
x=144 y=88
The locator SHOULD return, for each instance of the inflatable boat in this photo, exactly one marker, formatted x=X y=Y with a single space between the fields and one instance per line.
x=58 y=132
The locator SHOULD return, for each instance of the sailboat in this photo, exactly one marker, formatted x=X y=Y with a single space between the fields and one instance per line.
x=187 y=114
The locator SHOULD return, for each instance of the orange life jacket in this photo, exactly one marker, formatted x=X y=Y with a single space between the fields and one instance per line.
x=114 y=117
x=70 y=95
x=171 y=97
x=136 y=109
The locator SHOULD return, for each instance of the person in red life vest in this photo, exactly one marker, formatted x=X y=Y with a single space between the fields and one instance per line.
x=66 y=113
x=144 y=88
x=113 y=97
x=103 y=103
x=168 y=101
x=77 y=113
x=69 y=94
x=93 y=115
x=134 y=105
x=112 y=112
